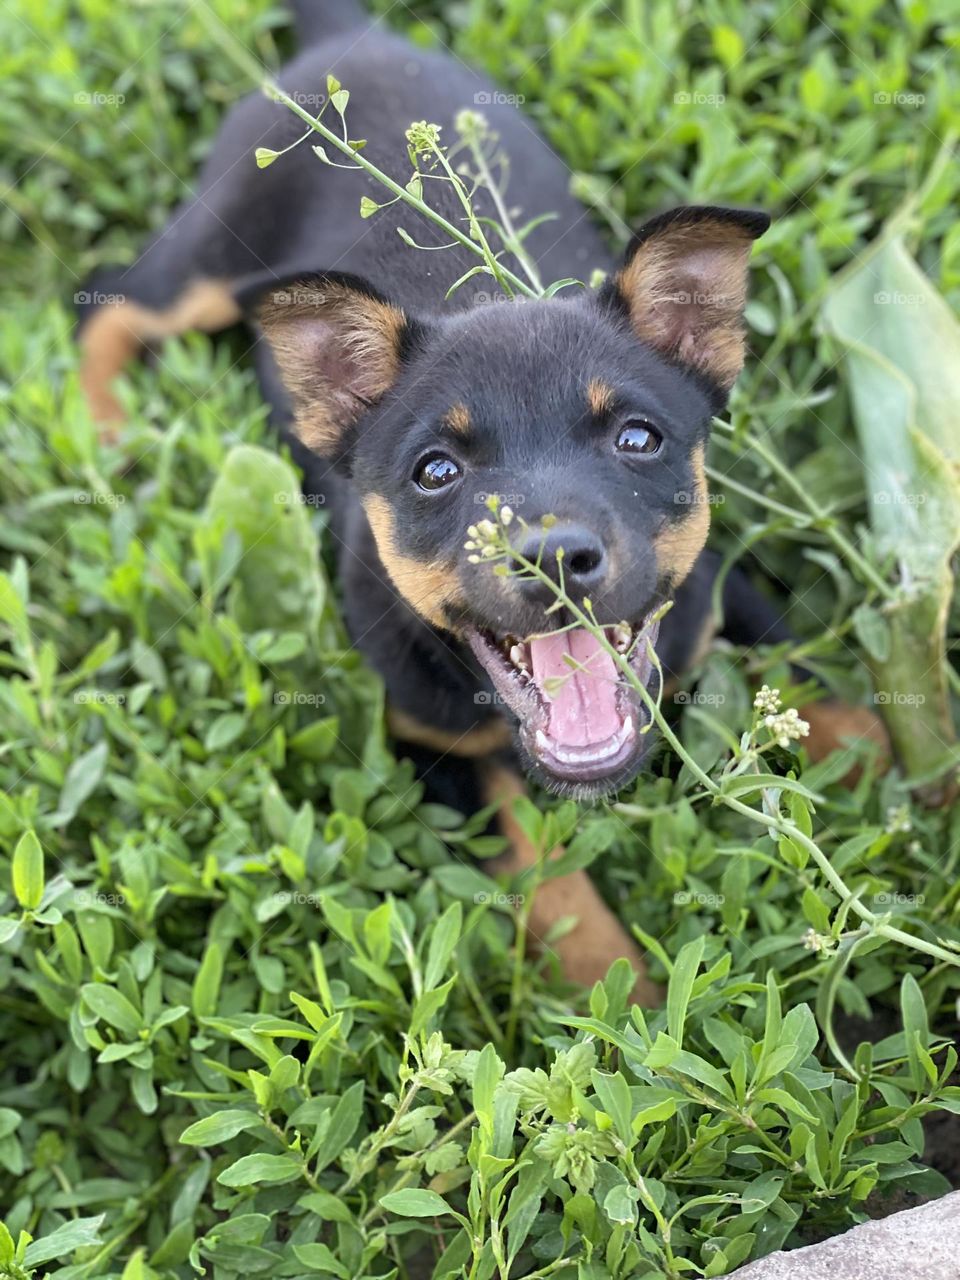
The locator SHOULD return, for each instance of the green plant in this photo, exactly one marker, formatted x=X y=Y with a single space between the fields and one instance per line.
x=213 y=840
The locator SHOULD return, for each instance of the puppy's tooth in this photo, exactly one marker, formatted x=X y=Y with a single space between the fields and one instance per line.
x=621 y=636
x=518 y=657
x=541 y=739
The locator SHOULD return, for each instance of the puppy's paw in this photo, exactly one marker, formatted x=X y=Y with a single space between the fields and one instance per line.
x=587 y=951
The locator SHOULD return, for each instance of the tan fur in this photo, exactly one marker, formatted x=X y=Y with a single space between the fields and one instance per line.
x=426 y=586
x=698 y=273
x=678 y=544
x=115 y=334
x=599 y=396
x=588 y=950
x=482 y=741
x=368 y=331
x=834 y=723
x=458 y=419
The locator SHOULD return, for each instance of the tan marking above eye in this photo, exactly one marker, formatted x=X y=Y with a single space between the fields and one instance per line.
x=428 y=586
x=679 y=543
x=599 y=397
x=457 y=418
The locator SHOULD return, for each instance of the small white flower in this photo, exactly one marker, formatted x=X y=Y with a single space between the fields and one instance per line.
x=786 y=726
x=767 y=700
x=898 y=819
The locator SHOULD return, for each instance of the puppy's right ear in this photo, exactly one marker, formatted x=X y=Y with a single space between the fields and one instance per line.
x=339 y=346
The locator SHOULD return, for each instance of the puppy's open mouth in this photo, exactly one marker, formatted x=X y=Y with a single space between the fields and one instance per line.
x=580 y=718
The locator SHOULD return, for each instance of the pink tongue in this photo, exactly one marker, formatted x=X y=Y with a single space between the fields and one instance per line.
x=582 y=705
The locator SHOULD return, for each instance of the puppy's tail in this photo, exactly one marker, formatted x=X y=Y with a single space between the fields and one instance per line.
x=315 y=20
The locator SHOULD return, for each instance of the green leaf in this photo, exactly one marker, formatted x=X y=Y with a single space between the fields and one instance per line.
x=27 y=871
x=220 y=1127
x=343 y=1125
x=681 y=985
x=82 y=779
x=225 y=730
x=414 y=1202
x=614 y=1094
x=443 y=939
x=113 y=1007
x=206 y=985
x=249 y=1171
x=65 y=1240
x=265 y=157
x=317 y=1257
x=620 y=1205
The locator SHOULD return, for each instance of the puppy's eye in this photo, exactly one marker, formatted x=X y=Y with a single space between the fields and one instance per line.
x=639 y=436
x=436 y=472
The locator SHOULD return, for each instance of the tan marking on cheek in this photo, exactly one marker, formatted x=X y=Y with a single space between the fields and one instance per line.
x=115 y=334
x=458 y=419
x=599 y=397
x=586 y=951
x=427 y=586
x=492 y=735
x=679 y=544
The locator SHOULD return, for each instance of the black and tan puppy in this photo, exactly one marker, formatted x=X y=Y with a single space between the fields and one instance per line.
x=407 y=409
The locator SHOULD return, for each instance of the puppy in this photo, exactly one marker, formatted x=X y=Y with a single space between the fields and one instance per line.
x=406 y=408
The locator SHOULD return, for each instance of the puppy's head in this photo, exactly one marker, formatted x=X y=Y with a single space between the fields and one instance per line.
x=593 y=410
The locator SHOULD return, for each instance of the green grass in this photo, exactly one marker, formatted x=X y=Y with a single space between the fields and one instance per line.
x=250 y=983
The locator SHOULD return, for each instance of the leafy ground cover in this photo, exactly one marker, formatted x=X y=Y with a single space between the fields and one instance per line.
x=262 y=1010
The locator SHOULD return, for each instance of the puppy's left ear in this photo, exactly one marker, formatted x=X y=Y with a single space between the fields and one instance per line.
x=683 y=285
x=339 y=346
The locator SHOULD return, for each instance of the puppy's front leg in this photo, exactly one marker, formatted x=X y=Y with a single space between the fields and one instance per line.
x=588 y=950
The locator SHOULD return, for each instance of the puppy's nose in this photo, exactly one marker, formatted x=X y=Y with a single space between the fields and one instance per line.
x=583 y=560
